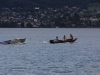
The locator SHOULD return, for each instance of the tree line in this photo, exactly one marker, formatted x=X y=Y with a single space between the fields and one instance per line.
x=46 y=3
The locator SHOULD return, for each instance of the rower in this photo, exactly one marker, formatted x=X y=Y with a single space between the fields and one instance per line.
x=71 y=36
x=56 y=40
x=64 y=38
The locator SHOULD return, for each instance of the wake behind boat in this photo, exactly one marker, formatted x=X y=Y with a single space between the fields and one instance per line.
x=14 y=41
x=5 y=42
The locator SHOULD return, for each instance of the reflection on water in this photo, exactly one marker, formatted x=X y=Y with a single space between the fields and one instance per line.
x=38 y=57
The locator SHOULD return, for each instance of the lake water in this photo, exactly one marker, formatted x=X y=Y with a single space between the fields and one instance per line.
x=38 y=57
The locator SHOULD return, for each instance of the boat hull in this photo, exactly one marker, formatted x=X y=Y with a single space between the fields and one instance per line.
x=17 y=41
x=61 y=41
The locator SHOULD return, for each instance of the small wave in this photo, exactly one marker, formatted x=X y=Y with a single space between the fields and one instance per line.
x=45 y=42
x=38 y=42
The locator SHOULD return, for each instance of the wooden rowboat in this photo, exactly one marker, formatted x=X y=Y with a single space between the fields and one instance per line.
x=61 y=41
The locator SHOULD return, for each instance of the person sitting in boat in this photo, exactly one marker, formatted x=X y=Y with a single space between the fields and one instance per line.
x=71 y=36
x=64 y=38
x=56 y=40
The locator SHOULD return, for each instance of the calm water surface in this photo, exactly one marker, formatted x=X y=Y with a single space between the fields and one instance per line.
x=38 y=57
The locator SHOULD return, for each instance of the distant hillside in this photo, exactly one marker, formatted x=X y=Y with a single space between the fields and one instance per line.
x=94 y=7
x=45 y=3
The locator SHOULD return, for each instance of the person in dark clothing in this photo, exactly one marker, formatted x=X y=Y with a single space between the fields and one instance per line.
x=64 y=38
x=71 y=36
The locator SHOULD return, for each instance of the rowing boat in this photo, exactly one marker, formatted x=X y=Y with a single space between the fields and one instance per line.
x=63 y=41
